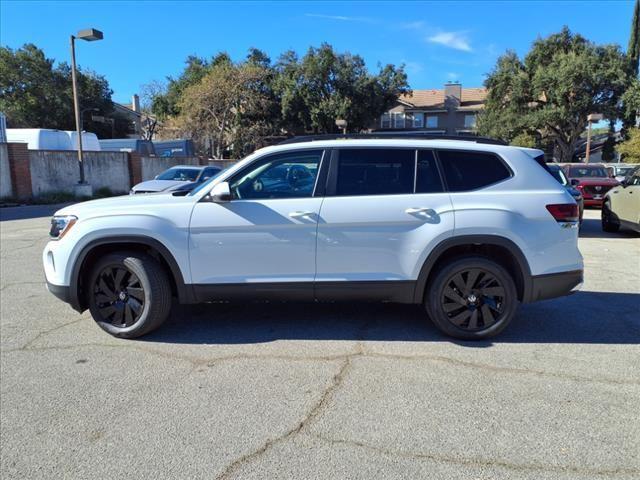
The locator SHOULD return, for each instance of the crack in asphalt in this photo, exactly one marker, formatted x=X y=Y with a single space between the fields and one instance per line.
x=213 y=361
x=313 y=413
x=14 y=284
x=476 y=461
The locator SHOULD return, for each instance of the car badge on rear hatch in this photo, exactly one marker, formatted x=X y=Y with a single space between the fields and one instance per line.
x=598 y=188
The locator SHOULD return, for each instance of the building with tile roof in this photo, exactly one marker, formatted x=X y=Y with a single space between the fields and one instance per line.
x=449 y=111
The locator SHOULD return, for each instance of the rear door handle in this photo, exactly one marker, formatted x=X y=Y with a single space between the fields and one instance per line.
x=300 y=214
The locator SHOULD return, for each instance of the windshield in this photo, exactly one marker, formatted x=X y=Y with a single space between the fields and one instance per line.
x=182 y=174
x=558 y=175
x=204 y=184
x=623 y=171
x=580 y=172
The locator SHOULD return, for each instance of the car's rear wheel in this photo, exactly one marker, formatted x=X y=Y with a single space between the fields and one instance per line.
x=129 y=294
x=471 y=298
x=609 y=220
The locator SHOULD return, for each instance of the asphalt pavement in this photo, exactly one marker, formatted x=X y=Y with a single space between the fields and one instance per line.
x=270 y=391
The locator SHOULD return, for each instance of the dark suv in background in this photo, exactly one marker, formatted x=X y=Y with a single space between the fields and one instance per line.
x=559 y=175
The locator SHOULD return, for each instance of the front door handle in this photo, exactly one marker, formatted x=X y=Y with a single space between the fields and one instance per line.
x=300 y=214
x=414 y=210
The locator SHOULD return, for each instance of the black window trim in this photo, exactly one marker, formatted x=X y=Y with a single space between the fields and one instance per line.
x=498 y=156
x=318 y=188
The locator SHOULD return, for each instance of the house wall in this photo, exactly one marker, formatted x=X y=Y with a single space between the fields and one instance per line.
x=6 y=189
x=55 y=171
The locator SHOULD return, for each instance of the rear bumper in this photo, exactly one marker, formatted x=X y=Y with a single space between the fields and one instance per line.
x=554 y=285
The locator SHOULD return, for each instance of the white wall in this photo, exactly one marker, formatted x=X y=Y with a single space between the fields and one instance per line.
x=55 y=171
x=6 y=189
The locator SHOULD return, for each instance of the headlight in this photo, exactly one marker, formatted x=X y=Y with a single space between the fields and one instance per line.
x=61 y=225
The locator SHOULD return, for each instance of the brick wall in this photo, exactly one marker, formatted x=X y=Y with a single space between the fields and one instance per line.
x=19 y=170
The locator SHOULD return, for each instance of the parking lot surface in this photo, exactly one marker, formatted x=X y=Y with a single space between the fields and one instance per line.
x=320 y=391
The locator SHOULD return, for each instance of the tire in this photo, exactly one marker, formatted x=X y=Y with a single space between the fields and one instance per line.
x=129 y=294
x=471 y=298
x=609 y=224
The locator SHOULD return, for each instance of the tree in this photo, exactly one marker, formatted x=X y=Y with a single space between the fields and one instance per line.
x=325 y=86
x=633 y=51
x=629 y=150
x=226 y=107
x=562 y=79
x=34 y=93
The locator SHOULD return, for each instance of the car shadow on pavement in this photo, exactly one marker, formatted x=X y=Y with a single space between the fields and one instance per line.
x=585 y=317
x=591 y=228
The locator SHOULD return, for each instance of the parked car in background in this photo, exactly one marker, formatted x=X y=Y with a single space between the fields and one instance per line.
x=592 y=180
x=136 y=145
x=559 y=175
x=467 y=229
x=180 y=177
x=621 y=207
x=174 y=148
x=49 y=139
x=619 y=171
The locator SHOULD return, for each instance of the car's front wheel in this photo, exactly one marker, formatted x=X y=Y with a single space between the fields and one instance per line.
x=471 y=298
x=129 y=294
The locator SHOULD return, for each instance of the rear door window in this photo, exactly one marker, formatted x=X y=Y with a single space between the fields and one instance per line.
x=375 y=171
x=464 y=171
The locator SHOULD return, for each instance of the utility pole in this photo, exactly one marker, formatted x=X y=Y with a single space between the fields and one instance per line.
x=90 y=35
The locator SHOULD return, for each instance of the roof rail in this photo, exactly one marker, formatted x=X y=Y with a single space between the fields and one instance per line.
x=391 y=135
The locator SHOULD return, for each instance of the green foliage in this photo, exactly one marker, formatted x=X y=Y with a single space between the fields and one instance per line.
x=609 y=146
x=630 y=148
x=562 y=79
x=240 y=104
x=324 y=86
x=633 y=51
x=34 y=93
x=524 y=139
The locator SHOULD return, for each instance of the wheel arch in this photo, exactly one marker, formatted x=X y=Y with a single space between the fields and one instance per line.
x=500 y=249
x=139 y=243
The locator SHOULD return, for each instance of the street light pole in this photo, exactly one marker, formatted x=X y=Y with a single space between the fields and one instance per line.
x=76 y=107
x=90 y=34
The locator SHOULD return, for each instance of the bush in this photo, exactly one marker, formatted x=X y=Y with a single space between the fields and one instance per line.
x=629 y=150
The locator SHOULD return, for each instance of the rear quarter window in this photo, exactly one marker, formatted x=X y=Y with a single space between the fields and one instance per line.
x=464 y=171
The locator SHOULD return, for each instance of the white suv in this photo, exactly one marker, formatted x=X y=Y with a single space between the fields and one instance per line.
x=467 y=228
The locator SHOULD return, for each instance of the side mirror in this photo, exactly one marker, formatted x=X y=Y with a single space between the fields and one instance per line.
x=575 y=181
x=220 y=193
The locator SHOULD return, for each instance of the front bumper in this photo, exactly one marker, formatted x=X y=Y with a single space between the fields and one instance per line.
x=553 y=285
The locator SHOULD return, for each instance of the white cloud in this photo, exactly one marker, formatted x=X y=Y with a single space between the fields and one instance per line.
x=453 y=76
x=455 y=40
x=340 y=18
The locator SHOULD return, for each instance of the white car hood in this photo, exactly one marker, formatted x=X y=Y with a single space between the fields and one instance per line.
x=125 y=204
x=157 y=185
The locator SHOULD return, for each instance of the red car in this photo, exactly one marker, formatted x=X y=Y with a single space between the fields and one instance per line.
x=592 y=181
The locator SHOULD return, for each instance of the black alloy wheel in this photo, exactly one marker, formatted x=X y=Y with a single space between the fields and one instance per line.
x=473 y=299
x=119 y=296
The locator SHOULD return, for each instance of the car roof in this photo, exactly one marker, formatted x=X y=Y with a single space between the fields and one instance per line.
x=191 y=167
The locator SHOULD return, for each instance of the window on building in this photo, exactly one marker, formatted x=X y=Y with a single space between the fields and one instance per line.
x=398 y=120
x=418 y=120
x=385 y=120
x=470 y=121
x=375 y=171
x=432 y=121
x=471 y=170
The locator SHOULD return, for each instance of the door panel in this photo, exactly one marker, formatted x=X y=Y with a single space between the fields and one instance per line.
x=380 y=238
x=254 y=241
x=267 y=232
x=628 y=202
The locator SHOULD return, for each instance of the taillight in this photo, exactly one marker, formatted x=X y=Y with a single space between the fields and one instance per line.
x=564 y=212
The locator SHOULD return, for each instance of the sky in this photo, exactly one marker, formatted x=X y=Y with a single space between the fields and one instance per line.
x=436 y=41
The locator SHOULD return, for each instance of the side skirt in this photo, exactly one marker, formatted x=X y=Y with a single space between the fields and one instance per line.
x=367 y=291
